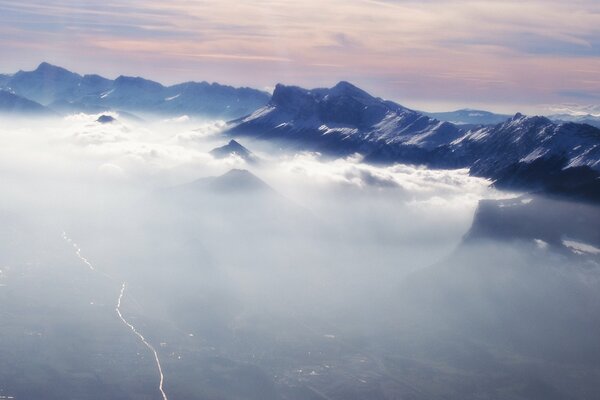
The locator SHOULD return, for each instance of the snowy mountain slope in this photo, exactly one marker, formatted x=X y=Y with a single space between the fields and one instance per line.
x=522 y=152
x=526 y=139
x=66 y=91
x=343 y=119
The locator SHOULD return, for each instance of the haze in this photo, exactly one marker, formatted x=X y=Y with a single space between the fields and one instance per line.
x=331 y=278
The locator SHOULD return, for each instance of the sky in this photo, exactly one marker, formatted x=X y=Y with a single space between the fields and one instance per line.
x=433 y=55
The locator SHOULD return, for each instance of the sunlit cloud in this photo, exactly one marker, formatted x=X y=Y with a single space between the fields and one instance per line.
x=434 y=51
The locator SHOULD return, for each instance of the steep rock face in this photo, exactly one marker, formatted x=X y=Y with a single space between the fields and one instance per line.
x=536 y=220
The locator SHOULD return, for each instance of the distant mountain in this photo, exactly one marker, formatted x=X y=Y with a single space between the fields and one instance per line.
x=66 y=91
x=212 y=99
x=526 y=153
x=469 y=117
x=589 y=119
x=581 y=114
x=46 y=84
x=237 y=200
x=234 y=148
x=234 y=181
x=12 y=104
x=344 y=119
x=222 y=191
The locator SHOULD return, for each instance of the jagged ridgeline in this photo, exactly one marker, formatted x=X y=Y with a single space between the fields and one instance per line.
x=525 y=153
x=58 y=90
x=520 y=152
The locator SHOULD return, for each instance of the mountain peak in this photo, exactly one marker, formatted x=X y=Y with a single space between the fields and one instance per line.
x=346 y=119
x=292 y=97
x=344 y=84
x=344 y=88
x=233 y=148
x=529 y=120
x=45 y=67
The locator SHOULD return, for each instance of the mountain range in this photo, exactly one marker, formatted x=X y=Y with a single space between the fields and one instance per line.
x=524 y=153
x=469 y=118
x=65 y=92
x=343 y=120
x=519 y=152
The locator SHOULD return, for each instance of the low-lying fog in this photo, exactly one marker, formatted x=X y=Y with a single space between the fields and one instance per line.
x=308 y=277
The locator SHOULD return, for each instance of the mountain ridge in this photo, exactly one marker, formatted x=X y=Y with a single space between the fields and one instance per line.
x=60 y=89
x=343 y=119
x=523 y=152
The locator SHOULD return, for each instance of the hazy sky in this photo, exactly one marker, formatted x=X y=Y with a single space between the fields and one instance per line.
x=431 y=54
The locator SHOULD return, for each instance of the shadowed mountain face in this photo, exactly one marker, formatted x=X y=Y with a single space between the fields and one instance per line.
x=535 y=218
x=12 y=104
x=66 y=91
